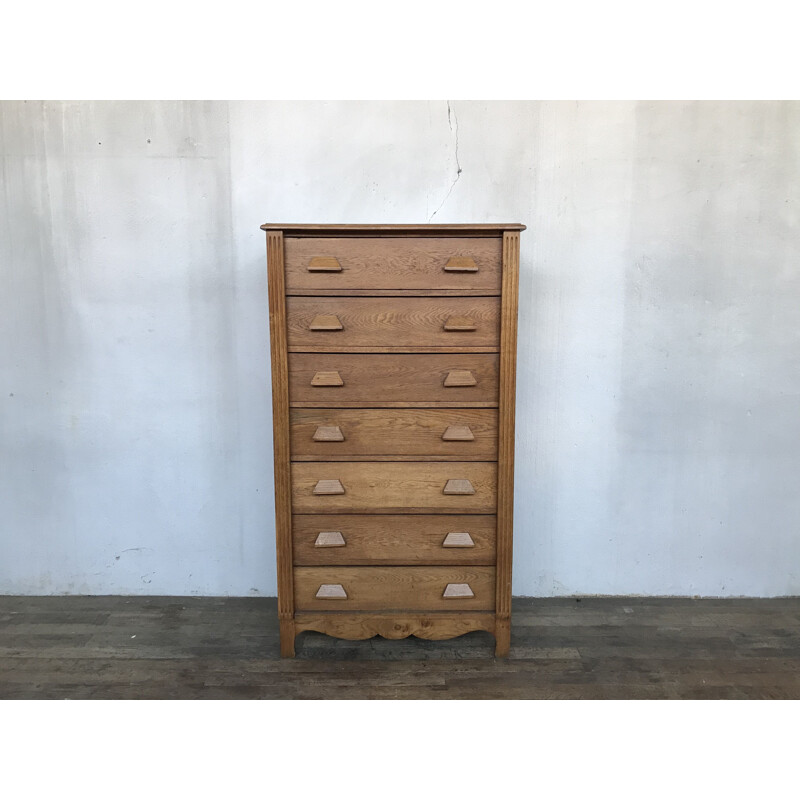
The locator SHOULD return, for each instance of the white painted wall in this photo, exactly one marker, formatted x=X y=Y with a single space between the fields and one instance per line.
x=658 y=427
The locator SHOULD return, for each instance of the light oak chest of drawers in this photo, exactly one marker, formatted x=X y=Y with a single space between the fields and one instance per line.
x=393 y=373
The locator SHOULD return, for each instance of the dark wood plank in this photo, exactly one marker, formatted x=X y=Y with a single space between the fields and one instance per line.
x=561 y=648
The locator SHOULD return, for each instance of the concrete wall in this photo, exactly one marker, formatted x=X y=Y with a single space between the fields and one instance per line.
x=659 y=356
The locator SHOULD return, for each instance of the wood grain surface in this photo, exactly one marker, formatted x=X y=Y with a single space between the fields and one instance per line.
x=392 y=324
x=505 y=466
x=415 y=487
x=394 y=588
x=372 y=381
x=394 y=539
x=393 y=263
x=394 y=230
x=280 y=438
x=363 y=433
x=436 y=626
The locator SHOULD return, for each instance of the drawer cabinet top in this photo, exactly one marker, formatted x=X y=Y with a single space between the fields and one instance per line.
x=482 y=229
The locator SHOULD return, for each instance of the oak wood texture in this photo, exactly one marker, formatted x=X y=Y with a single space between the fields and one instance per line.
x=330 y=539
x=457 y=378
x=416 y=487
x=457 y=591
x=322 y=264
x=395 y=539
x=459 y=486
x=460 y=434
x=327 y=378
x=322 y=322
x=331 y=591
x=387 y=263
x=370 y=381
x=505 y=499
x=328 y=487
x=280 y=434
x=458 y=539
x=398 y=346
x=392 y=324
x=391 y=230
x=328 y=433
x=436 y=626
x=456 y=323
x=461 y=264
x=395 y=588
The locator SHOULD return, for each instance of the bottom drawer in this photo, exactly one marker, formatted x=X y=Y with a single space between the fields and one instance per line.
x=394 y=588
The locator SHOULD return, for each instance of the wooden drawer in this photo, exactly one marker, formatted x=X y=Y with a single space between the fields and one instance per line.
x=421 y=487
x=322 y=380
x=392 y=324
x=366 y=539
x=393 y=263
x=456 y=434
x=394 y=588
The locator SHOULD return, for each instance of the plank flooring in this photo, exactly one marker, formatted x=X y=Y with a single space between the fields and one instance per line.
x=563 y=648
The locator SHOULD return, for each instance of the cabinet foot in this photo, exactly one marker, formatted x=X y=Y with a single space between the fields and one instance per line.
x=502 y=635
x=287 y=633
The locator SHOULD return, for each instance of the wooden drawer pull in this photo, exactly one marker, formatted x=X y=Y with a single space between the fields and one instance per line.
x=459 y=377
x=324 y=264
x=328 y=433
x=459 y=324
x=456 y=590
x=458 y=539
x=330 y=487
x=335 y=539
x=458 y=433
x=457 y=486
x=326 y=322
x=332 y=378
x=461 y=264
x=335 y=591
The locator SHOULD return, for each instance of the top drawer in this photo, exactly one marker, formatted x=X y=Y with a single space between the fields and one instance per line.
x=456 y=264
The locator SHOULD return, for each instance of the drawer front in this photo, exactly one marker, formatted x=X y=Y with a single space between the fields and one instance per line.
x=459 y=434
x=364 y=324
x=422 y=487
x=348 y=539
x=394 y=588
x=341 y=379
x=393 y=263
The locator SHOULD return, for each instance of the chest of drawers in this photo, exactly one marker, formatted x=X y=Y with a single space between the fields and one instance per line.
x=393 y=373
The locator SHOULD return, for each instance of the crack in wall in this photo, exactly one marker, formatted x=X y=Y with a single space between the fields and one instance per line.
x=450 y=111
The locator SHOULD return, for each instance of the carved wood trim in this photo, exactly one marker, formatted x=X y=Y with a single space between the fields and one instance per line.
x=394 y=626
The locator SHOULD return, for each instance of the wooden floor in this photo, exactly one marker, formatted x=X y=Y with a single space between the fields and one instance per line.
x=187 y=647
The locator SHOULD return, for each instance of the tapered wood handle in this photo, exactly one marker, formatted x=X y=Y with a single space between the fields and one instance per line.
x=458 y=433
x=329 y=378
x=459 y=377
x=324 y=264
x=458 y=486
x=326 y=322
x=458 y=539
x=328 y=433
x=333 y=591
x=335 y=539
x=461 y=264
x=456 y=590
x=459 y=324
x=329 y=487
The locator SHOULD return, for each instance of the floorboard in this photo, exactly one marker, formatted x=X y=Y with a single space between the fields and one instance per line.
x=561 y=648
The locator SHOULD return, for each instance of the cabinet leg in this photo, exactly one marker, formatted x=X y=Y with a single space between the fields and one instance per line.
x=287 y=638
x=502 y=635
